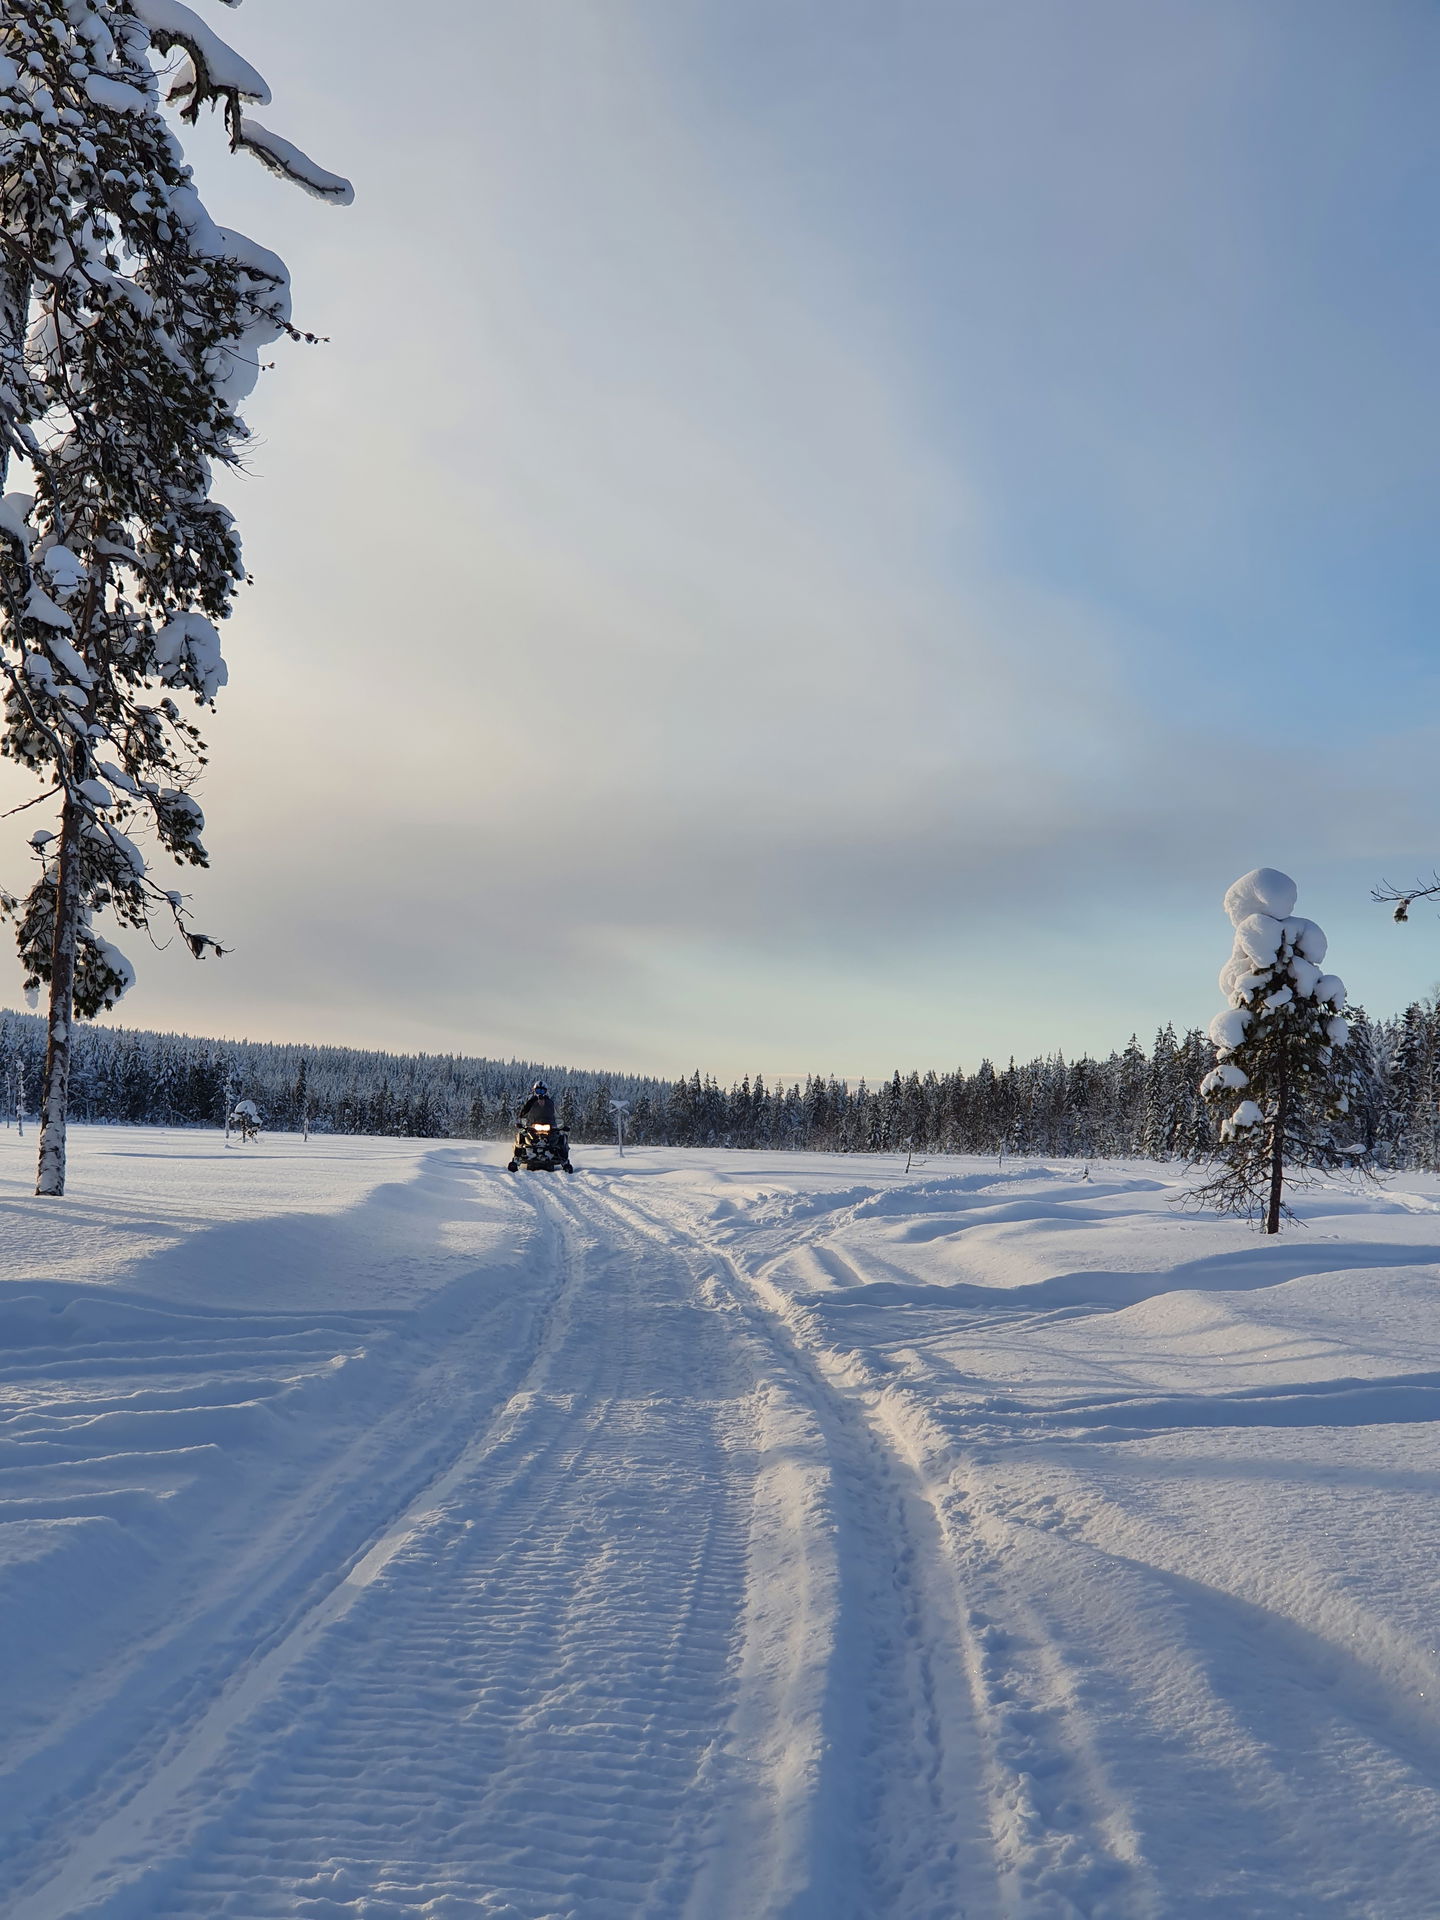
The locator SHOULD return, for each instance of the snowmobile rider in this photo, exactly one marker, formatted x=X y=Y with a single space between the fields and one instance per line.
x=539 y=1109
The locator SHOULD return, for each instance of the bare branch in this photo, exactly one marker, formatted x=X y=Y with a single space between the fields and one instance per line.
x=1406 y=897
x=39 y=799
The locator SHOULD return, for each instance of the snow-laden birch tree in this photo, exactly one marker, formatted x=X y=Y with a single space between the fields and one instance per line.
x=130 y=327
x=1280 y=1088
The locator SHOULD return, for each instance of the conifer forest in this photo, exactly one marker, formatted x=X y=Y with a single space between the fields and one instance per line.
x=1133 y=1103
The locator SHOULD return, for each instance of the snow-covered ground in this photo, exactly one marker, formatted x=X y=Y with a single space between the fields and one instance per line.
x=712 y=1536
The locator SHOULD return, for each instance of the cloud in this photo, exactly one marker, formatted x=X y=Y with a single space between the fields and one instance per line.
x=741 y=567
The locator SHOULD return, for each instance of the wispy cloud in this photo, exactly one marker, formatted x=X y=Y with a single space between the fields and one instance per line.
x=752 y=540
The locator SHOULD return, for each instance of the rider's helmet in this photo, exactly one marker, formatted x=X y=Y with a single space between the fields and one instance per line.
x=540 y=1088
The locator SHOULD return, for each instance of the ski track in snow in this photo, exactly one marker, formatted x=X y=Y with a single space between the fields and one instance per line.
x=1059 y=1842
x=530 y=1692
x=512 y=1689
x=724 y=1537
x=510 y=1704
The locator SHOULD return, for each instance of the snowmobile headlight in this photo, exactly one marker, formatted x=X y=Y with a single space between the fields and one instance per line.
x=542 y=1126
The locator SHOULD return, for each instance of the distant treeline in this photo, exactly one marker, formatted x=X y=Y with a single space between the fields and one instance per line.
x=1131 y=1104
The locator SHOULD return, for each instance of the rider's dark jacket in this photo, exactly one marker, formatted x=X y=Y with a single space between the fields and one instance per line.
x=538 y=1110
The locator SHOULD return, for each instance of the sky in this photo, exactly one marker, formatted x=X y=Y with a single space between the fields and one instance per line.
x=822 y=538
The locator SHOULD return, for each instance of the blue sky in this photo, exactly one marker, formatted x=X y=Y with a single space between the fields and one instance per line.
x=936 y=490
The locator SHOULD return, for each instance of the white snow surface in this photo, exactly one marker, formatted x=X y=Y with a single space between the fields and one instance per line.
x=1257 y=939
x=1307 y=938
x=15 y=511
x=1228 y=1029
x=292 y=163
x=710 y=1536
x=169 y=22
x=190 y=642
x=114 y=95
x=1265 y=890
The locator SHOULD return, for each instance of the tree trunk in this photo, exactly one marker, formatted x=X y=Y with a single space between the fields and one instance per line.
x=55 y=1093
x=14 y=312
x=1277 y=1157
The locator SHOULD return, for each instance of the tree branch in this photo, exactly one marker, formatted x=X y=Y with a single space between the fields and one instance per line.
x=1406 y=897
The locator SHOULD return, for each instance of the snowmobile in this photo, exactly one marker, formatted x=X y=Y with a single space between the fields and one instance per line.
x=540 y=1149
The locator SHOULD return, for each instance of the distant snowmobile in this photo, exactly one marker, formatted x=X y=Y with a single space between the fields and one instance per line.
x=540 y=1143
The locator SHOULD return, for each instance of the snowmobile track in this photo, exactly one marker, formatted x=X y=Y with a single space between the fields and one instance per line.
x=510 y=1698
x=898 y=1712
x=678 y=1631
x=173 y=1794
x=1023 y=1820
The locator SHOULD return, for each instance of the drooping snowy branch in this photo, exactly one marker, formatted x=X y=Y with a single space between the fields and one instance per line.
x=216 y=71
x=213 y=73
x=285 y=158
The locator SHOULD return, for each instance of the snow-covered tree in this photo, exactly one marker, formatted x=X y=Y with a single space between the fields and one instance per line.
x=1163 y=1100
x=1279 y=1088
x=1362 y=1064
x=130 y=326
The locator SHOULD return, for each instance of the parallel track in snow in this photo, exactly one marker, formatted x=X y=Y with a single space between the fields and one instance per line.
x=986 y=1713
x=681 y=1631
x=520 y=1707
x=897 y=1824
x=657 y=1562
x=511 y=1702
x=103 y=1845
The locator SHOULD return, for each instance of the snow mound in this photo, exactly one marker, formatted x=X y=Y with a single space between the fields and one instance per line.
x=1227 y=1029
x=1259 y=935
x=1265 y=890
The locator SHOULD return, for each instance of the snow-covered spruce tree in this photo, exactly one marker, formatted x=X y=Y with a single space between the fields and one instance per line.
x=129 y=330
x=1279 y=1089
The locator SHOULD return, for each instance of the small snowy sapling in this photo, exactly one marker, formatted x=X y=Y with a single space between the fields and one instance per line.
x=1278 y=1089
x=130 y=326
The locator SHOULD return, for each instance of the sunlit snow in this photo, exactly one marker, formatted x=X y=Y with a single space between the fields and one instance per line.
x=711 y=1534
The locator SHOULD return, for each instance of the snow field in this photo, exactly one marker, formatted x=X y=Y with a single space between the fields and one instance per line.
x=1196 y=1533
x=710 y=1535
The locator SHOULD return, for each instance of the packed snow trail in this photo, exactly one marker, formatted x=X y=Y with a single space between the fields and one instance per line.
x=516 y=1708
x=650 y=1643
x=711 y=1537
x=995 y=1718
x=514 y=1689
x=1185 y=1480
